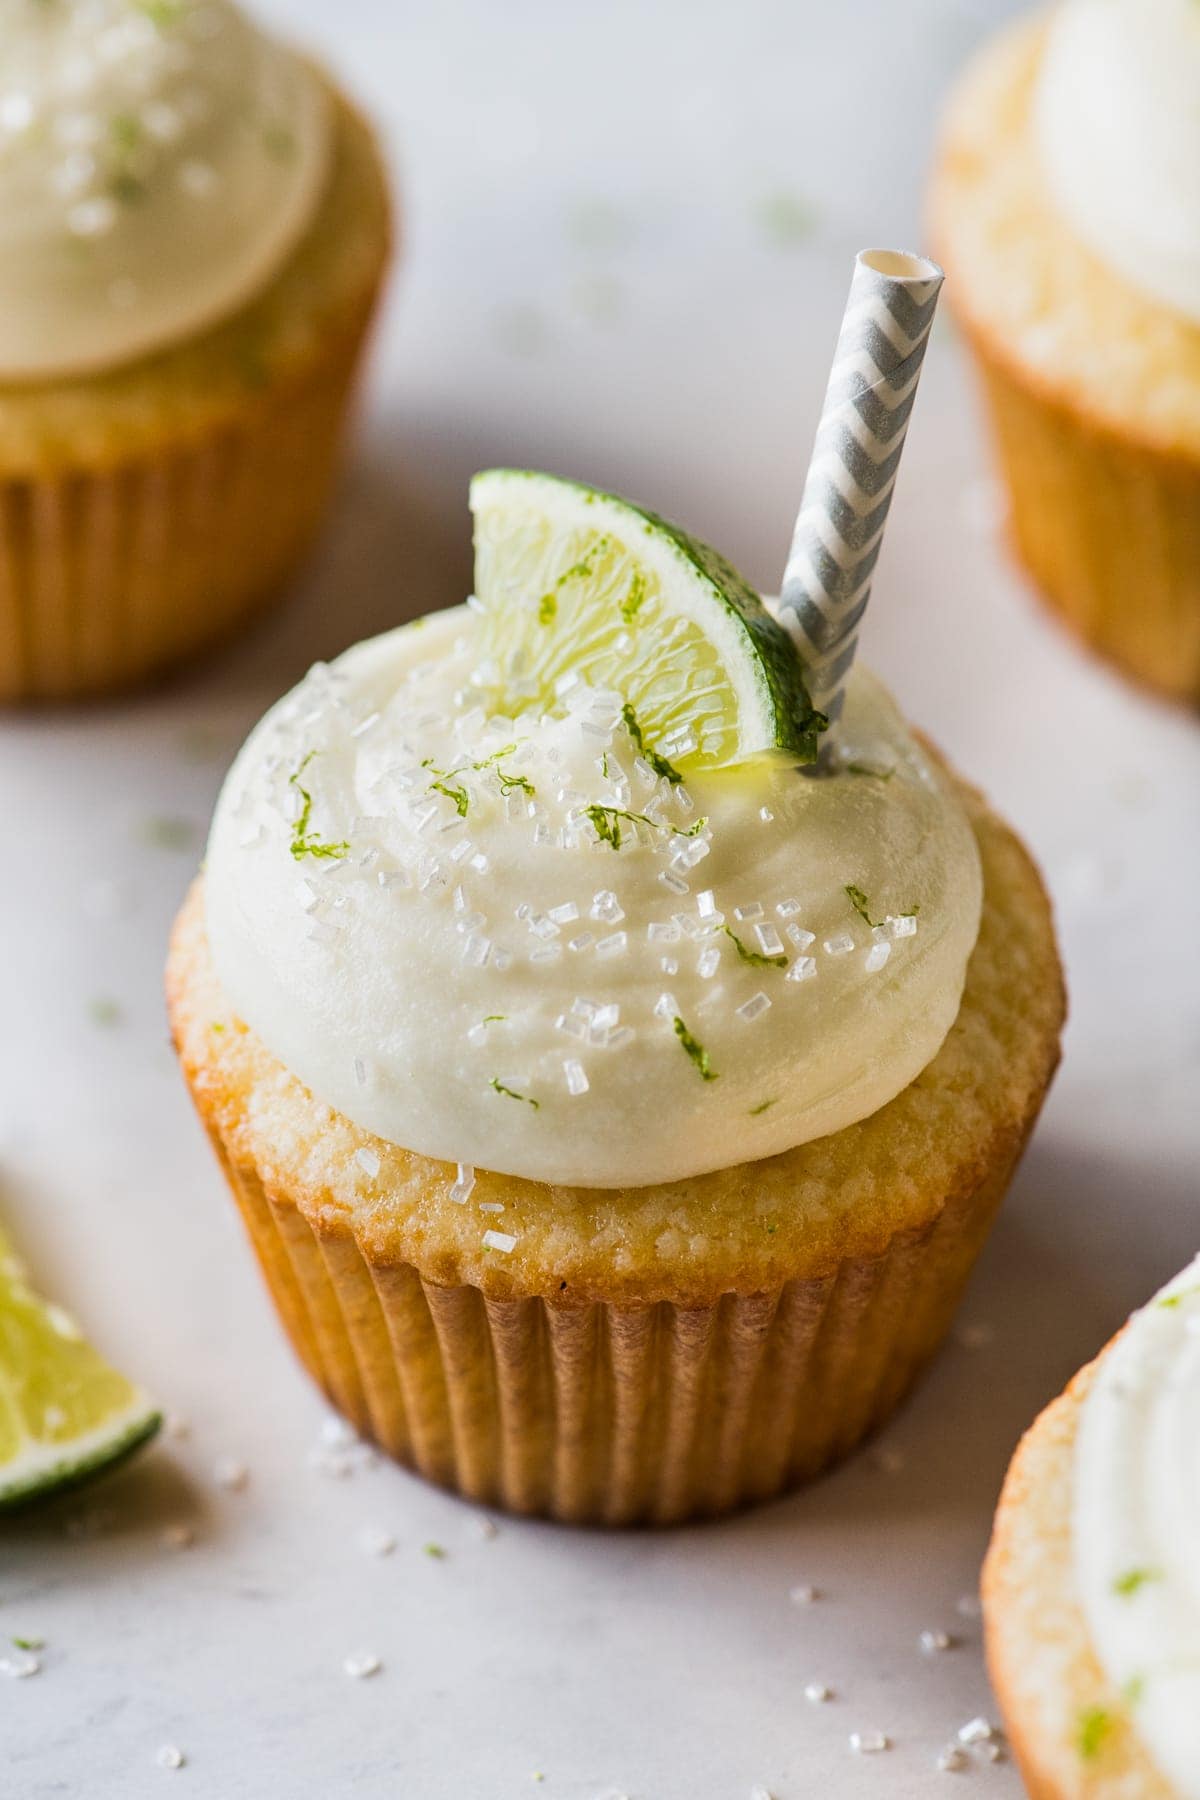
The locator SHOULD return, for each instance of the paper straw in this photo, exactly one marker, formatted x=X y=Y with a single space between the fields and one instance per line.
x=872 y=385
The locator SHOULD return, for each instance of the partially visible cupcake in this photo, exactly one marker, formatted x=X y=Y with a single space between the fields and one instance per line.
x=1090 y=1590
x=1066 y=207
x=193 y=230
x=615 y=1111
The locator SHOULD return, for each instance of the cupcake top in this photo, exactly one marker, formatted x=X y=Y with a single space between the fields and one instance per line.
x=517 y=934
x=1136 y=1523
x=158 y=161
x=1117 y=115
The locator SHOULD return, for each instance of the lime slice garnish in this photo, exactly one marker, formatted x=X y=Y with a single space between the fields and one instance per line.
x=579 y=583
x=64 y=1414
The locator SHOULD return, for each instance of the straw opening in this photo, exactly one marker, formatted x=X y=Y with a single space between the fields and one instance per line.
x=900 y=265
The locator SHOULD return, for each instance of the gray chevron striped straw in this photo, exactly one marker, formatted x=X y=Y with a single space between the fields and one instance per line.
x=848 y=490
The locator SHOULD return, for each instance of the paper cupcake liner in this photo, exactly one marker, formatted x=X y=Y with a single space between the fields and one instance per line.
x=1108 y=528
x=113 y=575
x=606 y=1414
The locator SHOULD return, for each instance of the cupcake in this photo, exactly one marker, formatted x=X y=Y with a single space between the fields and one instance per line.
x=615 y=1110
x=1090 y=1600
x=1066 y=208
x=193 y=230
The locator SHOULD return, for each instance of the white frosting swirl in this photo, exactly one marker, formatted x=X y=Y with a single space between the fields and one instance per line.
x=445 y=959
x=1136 y=1523
x=1117 y=115
x=158 y=161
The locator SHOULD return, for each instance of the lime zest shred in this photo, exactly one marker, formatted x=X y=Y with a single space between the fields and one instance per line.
x=1131 y=1580
x=756 y=958
x=695 y=1049
x=305 y=842
x=862 y=907
x=606 y=821
x=494 y=1019
x=658 y=763
x=511 y=1093
x=459 y=795
x=436 y=1551
x=1095 y=1728
x=764 y=1106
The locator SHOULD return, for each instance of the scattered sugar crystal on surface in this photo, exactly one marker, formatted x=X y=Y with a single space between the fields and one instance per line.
x=584 y=1008
x=169 y=1756
x=361 y=1663
x=480 y=862
x=817 y=1693
x=321 y=931
x=476 y=1036
x=461 y=851
x=491 y=1206
x=612 y=945
x=368 y=1161
x=572 y=1024
x=463 y=1184
x=476 y=951
x=644 y=772
x=468 y=922
x=542 y=927
x=501 y=959
x=803 y=969
x=869 y=1743
x=487 y=1529
x=683 y=799
x=607 y=908
x=706 y=904
x=708 y=963
x=583 y=942
x=876 y=957
x=624 y=1034
x=932 y=1641
x=675 y=882
x=976 y=1731
x=769 y=940
x=92 y=217
x=992 y=1752
x=766 y=815
x=373 y=1540
x=499 y=1240
x=365 y=725
x=952 y=1760
x=563 y=915
x=746 y=914
x=788 y=909
x=903 y=927
x=19 y=1667
x=669 y=965
x=754 y=1007
x=666 y=1006
x=801 y=938
x=230 y=1474
x=840 y=944
x=761 y=1793
x=577 y=1081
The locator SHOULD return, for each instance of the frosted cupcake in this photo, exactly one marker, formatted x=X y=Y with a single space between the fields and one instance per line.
x=615 y=1110
x=193 y=228
x=1067 y=210
x=1093 y=1618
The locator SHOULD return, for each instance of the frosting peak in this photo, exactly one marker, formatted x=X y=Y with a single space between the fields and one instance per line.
x=158 y=160
x=515 y=943
x=1118 y=125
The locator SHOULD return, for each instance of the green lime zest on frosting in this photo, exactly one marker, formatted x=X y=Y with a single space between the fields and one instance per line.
x=1095 y=1727
x=436 y=1551
x=755 y=958
x=862 y=907
x=762 y=1107
x=607 y=823
x=511 y=1093
x=458 y=794
x=27 y=1643
x=695 y=1049
x=1134 y=1689
x=495 y=1018
x=1171 y=1301
x=305 y=842
x=1133 y=1579
x=658 y=763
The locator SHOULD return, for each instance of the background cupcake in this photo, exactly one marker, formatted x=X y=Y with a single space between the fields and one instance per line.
x=1066 y=207
x=1093 y=1625
x=193 y=231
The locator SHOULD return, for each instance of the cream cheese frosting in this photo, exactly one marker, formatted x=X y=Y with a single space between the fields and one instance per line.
x=1136 y=1523
x=1117 y=115
x=510 y=943
x=158 y=161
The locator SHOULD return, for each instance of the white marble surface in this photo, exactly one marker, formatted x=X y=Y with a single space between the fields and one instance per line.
x=587 y=284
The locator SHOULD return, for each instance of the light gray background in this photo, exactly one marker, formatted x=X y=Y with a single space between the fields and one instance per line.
x=588 y=282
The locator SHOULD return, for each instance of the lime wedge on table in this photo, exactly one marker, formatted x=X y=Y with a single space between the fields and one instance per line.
x=64 y=1414
x=577 y=582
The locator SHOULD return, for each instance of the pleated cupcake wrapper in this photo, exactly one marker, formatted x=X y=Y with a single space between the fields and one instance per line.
x=108 y=576
x=613 y=1414
x=1110 y=531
